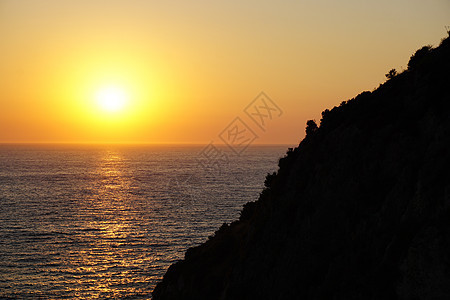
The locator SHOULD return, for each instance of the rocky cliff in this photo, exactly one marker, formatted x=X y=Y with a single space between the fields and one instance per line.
x=359 y=210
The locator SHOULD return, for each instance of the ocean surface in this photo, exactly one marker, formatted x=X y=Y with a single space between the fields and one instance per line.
x=80 y=221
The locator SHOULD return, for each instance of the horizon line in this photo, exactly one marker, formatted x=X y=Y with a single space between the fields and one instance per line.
x=136 y=143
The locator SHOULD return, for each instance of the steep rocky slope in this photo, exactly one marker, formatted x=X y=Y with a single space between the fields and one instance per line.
x=359 y=210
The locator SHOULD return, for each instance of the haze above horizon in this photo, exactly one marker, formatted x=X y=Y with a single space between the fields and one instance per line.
x=144 y=72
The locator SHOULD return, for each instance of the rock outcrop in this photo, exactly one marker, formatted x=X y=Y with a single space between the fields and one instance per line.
x=359 y=210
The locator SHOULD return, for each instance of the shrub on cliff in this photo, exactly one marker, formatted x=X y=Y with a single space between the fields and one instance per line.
x=311 y=127
x=418 y=57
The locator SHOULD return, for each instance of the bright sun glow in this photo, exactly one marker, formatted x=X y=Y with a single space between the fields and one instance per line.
x=111 y=98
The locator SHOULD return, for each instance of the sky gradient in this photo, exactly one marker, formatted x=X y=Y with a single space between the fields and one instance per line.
x=190 y=68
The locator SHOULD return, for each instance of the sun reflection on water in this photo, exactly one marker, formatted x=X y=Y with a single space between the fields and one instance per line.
x=102 y=222
x=115 y=249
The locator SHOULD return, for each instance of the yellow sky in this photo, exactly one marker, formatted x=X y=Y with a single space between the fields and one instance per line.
x=189 y=68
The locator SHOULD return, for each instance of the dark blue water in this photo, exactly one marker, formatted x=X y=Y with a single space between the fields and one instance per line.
x=107 y=221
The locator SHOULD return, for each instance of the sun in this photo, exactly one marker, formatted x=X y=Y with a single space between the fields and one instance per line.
x=111 y=98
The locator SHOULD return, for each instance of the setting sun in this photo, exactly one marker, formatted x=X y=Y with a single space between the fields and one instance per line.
x=111 y=98
x=145 y=72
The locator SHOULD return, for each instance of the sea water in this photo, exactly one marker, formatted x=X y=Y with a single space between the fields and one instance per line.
x=79 y=221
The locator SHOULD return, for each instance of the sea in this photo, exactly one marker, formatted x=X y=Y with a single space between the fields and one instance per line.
x=106 y=221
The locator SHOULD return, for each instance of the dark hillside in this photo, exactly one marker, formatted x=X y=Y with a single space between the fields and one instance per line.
x=359 y=210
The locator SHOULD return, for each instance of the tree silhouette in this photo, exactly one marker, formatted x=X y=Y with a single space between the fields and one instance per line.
x=311 y=127
x=391 y=74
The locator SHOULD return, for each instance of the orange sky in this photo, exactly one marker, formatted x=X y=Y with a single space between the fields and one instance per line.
x=189 y=68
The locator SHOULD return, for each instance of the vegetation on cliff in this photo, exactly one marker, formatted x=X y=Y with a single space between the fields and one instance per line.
x=359 y=210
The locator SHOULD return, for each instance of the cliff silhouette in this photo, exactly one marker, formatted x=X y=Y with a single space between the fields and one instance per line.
x=359 y=210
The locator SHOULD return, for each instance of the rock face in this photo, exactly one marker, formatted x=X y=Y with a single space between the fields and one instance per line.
x=359 y=210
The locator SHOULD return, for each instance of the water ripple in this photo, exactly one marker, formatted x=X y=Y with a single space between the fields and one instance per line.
x=106 y=222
